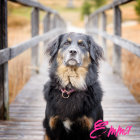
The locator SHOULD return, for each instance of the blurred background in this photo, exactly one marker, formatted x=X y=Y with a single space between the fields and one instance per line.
x=75 y=12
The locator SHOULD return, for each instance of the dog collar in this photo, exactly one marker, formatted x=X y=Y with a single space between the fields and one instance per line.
x=66 y=93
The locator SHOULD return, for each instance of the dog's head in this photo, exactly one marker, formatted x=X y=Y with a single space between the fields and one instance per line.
x=73 y=52
x=73 y=48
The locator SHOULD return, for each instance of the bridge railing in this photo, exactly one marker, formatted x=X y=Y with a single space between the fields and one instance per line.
x=93 y=28
x=53 y=25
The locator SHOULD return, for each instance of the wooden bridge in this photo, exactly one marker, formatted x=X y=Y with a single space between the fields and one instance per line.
x=22 y=119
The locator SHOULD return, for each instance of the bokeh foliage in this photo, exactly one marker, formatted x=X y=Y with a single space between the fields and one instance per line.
x=137 y=8
x=91 y=5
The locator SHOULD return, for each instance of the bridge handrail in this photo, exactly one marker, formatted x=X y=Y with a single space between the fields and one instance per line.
x=119 y=42
x=9 y=53
x=53 y=25
x=110 y=6
x=34 y=4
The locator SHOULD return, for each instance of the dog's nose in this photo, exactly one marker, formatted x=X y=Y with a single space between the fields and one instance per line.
x=73 y=52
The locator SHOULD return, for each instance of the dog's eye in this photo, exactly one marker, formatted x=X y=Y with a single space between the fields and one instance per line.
x=81 y=44
x=67 y=43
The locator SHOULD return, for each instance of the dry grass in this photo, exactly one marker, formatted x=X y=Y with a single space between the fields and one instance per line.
x=130 y=62
x=18 y=31
x=19 y=71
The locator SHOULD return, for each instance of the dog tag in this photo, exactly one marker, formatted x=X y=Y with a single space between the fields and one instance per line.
x=65 y=95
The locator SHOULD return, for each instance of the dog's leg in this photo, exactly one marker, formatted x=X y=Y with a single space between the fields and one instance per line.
x=86 y=122
x=53 y=121
x=46 y=137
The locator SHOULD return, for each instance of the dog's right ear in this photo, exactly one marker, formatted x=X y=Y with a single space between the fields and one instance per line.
x=96 y=52
x=53 y=47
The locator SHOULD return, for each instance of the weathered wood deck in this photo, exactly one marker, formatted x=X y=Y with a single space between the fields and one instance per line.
x=27 y=111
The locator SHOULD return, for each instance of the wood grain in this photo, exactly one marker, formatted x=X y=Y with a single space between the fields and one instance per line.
x=4 y=93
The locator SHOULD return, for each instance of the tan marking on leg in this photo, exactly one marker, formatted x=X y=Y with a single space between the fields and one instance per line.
x=53 y=121
x=47 y=137
x=86 y=122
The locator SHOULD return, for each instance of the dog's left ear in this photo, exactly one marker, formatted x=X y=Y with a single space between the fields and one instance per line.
x=96 y=52
x=53 y=47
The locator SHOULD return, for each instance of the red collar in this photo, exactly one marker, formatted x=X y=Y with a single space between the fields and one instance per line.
x=66 y=92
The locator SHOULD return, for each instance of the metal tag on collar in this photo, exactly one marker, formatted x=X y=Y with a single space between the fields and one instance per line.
x=66 y=95
x=64 y=92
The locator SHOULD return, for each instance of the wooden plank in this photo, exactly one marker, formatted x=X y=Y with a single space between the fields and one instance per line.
x=4 y=93
x=127 y=137
x=109 y=6
x=35 y=4
x=21 y=132
x=18 y=49
x=104 y=22
x=21 y=137
x=17 y=123
x=35 y=32
x=126 y=44
x=116 y=62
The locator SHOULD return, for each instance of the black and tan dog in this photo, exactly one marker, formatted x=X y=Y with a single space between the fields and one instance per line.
x=73 y=93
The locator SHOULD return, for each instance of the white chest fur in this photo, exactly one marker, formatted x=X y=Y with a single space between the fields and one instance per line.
x=67 y=124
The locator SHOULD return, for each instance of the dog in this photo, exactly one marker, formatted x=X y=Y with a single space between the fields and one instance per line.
x=73 y=93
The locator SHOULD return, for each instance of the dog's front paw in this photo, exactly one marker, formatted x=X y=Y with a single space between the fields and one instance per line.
x=85 y=122
x=46 y=137
x=53 y=121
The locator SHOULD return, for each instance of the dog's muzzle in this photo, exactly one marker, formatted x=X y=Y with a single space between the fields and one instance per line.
x=72 y=58
x=72 y=62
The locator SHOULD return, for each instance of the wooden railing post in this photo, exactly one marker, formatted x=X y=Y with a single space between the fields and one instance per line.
x=95 y=26
x=4 y=92
x=117 y=49
x=47 y=24
x=104 y=29
x=35 y=31
x=58 y=22
x=54 y=21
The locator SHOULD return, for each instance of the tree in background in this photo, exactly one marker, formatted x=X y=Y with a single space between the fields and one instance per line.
x=90 y=5
x=86 y=8
x=137 y=8
x=98 y=3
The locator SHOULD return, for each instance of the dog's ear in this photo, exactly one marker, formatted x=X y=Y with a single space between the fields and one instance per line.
x=96 y=52
x=53 y=47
